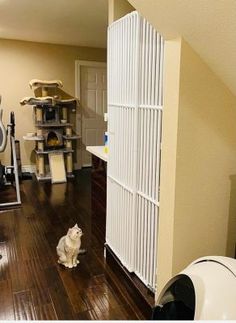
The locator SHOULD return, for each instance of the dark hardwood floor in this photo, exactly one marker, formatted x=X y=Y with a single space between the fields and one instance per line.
x=32 y=285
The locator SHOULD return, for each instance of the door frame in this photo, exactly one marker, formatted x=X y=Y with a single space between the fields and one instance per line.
x=78 y=65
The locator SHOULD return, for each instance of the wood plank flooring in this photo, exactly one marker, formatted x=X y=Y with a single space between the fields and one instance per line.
x=32 y=285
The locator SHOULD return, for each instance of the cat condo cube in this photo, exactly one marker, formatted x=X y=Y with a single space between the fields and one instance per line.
x=54 y=134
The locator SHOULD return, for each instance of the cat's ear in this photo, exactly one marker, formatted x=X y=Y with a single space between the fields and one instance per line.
x=69 y=230
x=76 y=226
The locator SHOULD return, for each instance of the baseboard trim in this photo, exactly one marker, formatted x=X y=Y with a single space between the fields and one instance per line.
x=32 y=168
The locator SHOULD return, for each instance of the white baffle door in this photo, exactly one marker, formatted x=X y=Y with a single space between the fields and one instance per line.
x=135 y=63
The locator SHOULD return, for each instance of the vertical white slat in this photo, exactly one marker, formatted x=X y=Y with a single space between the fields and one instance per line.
x=129 y=54
x=137 y=234
x=141 y=155
x=117 y=90
x=119 y=221
x=136 y=29
x=161 y=71
x=116 y=152
x=111 y=131
x=145 y=238
x=127 y=223
x=120 y=62
x=155 y=249
x=152 y=234
x=118 y=50
x=149 y=46
x=120 y=138
x=114 y=67
x=111 y=209
x=124 y=219
x=147 y=150
x=148 y=243
x=130 y=223
x=157 y=72
x=125 y=145
x=109 y=59
x=118 y=142
x=157 y=177
x=128 y=144
x=154 y=167
x=152 y=157
x=131 y=144
x=123 y=70
x=154 y=56
x=147 y=125
x=115 y=224
x=121 y=218
x=141 y=234
x=146 y=65
x=130 y=140
x=127 y=61
x=112 y=147
x=142 y=61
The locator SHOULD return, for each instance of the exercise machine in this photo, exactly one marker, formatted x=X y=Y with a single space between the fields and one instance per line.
x=9 y=174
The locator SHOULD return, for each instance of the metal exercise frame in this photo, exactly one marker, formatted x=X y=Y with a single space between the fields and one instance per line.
x=13 y=168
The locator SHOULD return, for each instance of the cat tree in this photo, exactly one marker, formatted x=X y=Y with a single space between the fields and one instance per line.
x=54 y=135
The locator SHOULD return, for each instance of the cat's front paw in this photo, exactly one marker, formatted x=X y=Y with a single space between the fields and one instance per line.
x=68 y=265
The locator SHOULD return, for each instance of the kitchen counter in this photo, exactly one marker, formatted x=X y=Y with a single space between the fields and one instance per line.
x=98 y=151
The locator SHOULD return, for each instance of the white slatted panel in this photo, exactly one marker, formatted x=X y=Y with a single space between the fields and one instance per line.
x=135 y=52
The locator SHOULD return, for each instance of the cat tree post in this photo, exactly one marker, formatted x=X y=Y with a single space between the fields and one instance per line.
x=41 y=165
x=39 y=114
x=68 y=131
x=69 y=163
x=64 y=114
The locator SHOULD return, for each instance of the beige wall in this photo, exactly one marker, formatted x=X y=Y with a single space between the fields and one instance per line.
x=22 y=61
x=197 y=200
x=206 y=158
x=171 y=79
x=118 y=9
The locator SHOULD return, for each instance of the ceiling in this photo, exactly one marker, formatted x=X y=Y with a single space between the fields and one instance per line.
x=71 y=22
x=209 y=26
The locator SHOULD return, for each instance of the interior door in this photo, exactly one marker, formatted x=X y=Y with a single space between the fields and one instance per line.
x=93 y=98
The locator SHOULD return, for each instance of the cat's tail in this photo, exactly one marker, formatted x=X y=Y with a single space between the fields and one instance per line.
x=82 y=251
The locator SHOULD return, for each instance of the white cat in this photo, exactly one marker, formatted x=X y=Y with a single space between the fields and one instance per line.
x=69 y=246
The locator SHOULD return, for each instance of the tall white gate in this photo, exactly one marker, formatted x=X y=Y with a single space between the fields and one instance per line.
x=135 y=60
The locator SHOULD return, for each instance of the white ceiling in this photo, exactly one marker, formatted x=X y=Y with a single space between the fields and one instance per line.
x=209 y=26
x=71 y=22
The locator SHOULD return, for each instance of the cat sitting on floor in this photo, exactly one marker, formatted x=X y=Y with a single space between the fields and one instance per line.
x=68 y=247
